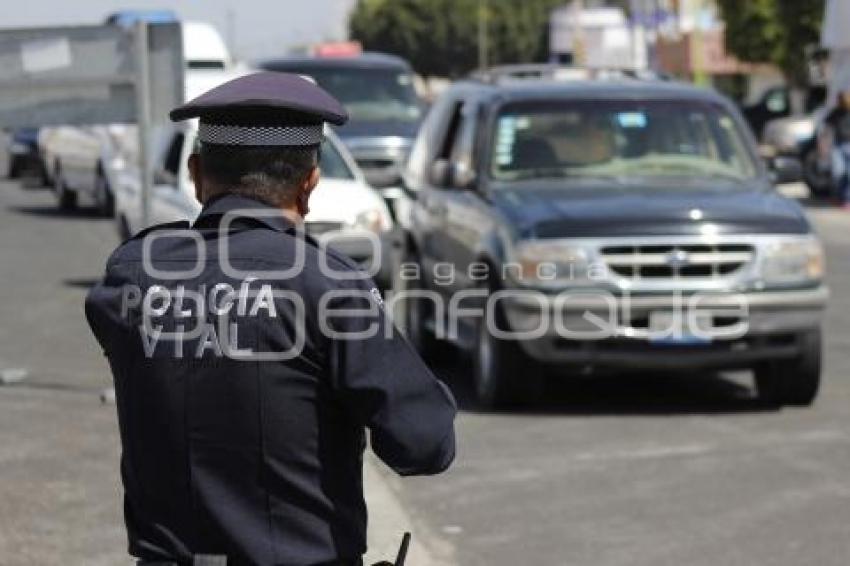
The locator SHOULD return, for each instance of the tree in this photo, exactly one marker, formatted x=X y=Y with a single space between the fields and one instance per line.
x=773 y=31
x=440 y=37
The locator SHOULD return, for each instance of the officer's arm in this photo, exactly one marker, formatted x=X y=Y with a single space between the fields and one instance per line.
x=107 y=305
x=409 y=412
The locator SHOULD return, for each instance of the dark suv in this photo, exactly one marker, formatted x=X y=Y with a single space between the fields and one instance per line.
x=606 y=225
x=384 y=111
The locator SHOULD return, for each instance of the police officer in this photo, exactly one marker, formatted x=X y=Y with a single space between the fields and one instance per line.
x=249 y=362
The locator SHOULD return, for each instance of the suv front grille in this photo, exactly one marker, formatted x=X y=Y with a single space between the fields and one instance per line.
x=707 y=261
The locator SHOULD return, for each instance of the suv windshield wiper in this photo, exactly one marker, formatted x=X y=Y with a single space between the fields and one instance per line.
x=557 y=173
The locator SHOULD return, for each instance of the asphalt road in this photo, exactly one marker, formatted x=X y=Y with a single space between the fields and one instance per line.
x=638 y=470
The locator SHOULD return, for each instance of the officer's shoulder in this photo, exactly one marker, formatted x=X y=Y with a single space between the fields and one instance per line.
x=177 y=225
x=338 y=261
x=129 y=248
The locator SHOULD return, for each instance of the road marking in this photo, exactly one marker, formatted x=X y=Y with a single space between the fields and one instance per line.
x=9 y=376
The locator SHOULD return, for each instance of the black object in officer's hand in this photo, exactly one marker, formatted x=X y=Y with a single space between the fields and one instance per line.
x=402 y=553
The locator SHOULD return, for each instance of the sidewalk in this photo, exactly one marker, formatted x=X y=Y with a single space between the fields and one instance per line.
x=389 y=520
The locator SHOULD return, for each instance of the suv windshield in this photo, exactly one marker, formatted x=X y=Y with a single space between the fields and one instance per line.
x=370 y=95
x=619 y=139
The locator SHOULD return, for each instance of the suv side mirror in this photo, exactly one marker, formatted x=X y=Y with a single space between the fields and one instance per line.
x=440 y=173
x=447 y=174
x=463 y=176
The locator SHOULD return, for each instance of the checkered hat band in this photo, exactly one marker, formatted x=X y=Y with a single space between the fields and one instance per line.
x=260 y=135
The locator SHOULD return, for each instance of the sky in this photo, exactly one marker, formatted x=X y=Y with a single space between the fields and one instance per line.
x=258 y=29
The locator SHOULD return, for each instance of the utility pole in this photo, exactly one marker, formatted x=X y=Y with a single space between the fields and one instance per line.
x=143 y=113
x=231 y=32
x=483 y=39
x=579 y=58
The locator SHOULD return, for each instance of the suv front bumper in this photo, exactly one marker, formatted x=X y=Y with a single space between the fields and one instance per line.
x=768 y=328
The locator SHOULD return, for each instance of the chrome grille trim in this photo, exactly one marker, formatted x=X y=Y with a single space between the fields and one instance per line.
x=677 y=261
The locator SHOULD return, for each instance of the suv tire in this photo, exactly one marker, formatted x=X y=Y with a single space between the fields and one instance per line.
x=792 y=382
x=416 y=311
x=503 y=373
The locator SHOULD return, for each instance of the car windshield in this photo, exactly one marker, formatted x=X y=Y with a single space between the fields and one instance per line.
x=371 y=95
x=624 y=139
x=332 y=165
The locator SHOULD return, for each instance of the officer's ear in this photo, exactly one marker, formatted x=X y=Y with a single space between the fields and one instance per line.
x=304 y=189
x=312 y=179
x=194 y=164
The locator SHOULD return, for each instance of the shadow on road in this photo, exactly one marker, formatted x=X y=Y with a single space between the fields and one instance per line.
x=56 y=212
x=636 y=394
x=33 y=183
x=81 y=283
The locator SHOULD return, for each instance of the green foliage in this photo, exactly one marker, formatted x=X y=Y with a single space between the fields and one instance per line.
x=773 y=31
x=440 y=37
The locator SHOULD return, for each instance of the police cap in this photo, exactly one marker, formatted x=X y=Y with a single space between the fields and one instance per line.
x=263 y=109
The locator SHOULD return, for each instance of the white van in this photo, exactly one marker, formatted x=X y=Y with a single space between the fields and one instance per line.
x=79 y=159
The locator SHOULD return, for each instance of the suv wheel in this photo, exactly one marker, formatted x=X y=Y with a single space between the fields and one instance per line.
x=501 y=369
x=104 y=199
x=416 y=311
x=793 y=382
x=67 y=198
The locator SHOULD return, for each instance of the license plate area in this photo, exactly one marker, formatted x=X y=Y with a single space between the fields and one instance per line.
x=680 y=327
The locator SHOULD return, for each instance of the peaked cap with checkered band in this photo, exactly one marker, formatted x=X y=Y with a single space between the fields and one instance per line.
x=263 y=109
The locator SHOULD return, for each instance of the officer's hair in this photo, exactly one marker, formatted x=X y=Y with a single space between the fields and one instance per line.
x=266 y=173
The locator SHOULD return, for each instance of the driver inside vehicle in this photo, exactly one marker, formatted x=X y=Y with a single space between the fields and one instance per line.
x=578 y=142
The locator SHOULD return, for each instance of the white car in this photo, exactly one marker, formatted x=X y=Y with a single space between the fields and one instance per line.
x=345 y=212
x=78 y=160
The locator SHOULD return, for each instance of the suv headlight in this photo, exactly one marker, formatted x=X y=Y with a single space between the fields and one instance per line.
x=551 y=264
x=793 y=262
x=373 y=220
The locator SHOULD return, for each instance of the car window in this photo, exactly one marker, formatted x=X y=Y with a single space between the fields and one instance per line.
x=332 y=165
x=369 y=94
x=453 y=131
x=421 y=152
x=776 y=101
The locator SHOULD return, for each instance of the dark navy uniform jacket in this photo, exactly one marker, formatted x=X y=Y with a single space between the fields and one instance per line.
x=227 y=449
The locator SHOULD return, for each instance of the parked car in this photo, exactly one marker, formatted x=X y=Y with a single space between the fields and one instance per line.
x=345 y=212
x=775 y=103
x=79 y=159
x=24 y=156
x=602 y=206
x=796 y=136
x=378 y=92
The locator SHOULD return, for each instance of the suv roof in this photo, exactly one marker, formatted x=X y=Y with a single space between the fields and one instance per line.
x=607 y=89
x=365 y=60
x=558 y=71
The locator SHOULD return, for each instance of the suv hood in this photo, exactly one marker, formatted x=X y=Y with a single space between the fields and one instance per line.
x=610 y=208
x=377 y=129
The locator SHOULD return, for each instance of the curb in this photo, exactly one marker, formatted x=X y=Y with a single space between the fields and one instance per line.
x=388 y=521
